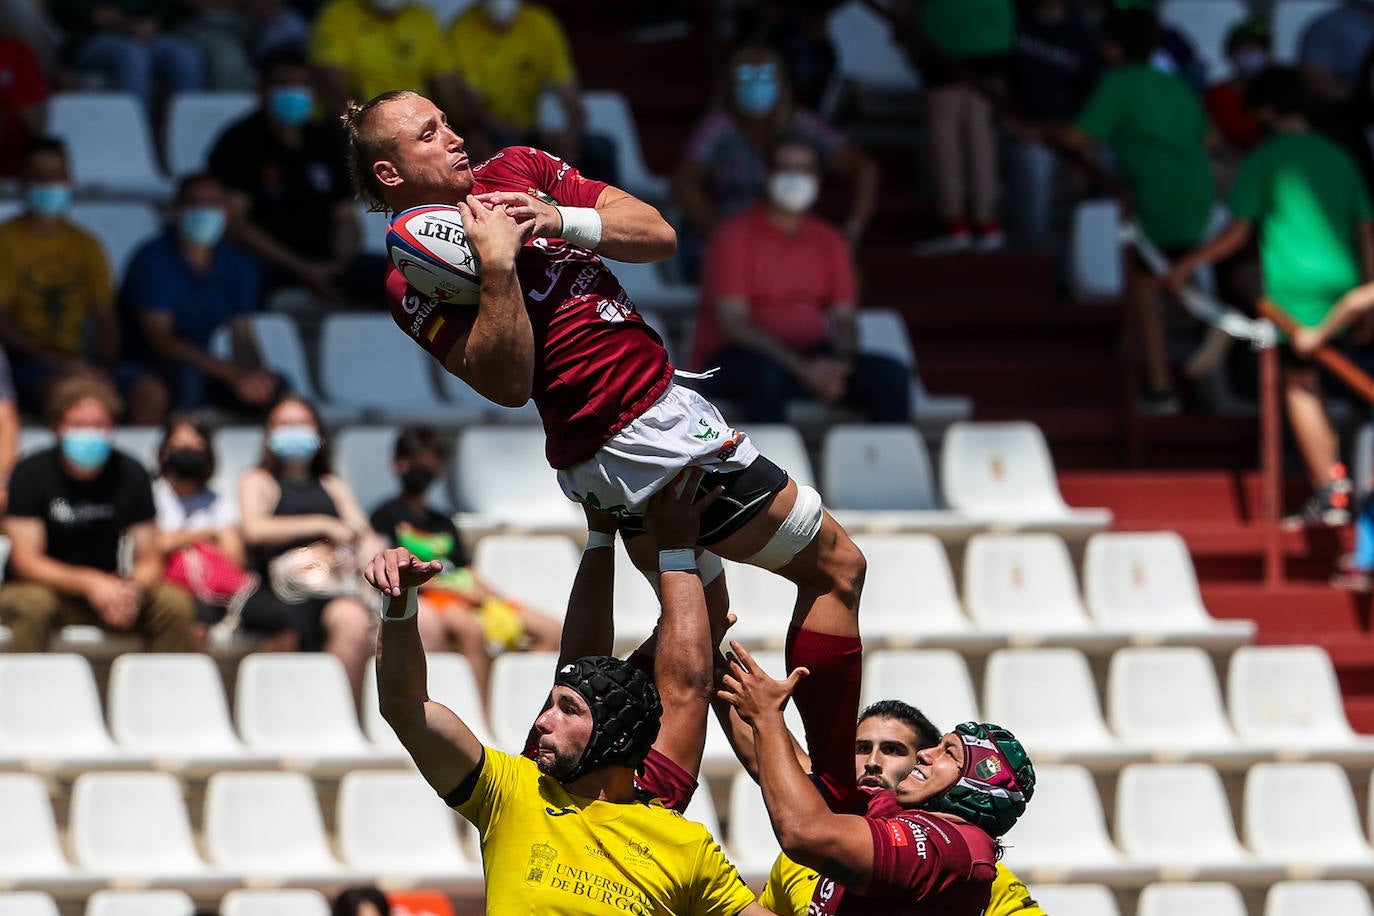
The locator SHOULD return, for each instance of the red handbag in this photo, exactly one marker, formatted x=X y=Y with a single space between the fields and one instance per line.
x=208 y=574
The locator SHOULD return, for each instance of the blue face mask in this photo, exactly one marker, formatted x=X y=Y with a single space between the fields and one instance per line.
x=48 y=199
x=202 y=225
x=294 y=443
x=756 y=88
x=86 y=449
x=291 y=105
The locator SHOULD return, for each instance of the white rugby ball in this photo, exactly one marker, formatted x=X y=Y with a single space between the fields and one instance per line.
x=430 y=249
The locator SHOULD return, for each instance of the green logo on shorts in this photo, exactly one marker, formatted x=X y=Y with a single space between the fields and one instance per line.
x=708 y=432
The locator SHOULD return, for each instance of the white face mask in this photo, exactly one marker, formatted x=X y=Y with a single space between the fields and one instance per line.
x=793 y=191
x=501 y=12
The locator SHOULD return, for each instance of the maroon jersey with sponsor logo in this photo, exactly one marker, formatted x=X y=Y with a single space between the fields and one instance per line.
x=922 y=864
x=597 y=365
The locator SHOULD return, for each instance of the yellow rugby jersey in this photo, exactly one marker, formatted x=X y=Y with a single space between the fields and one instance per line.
x=547 y=851
x=789 y=890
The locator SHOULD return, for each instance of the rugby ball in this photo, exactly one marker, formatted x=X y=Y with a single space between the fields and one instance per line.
x=430 y=249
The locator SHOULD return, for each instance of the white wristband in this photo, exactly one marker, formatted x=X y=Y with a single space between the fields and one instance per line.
x=597 y=539
x=683 y=559
x=412 y=607
x=581 y=226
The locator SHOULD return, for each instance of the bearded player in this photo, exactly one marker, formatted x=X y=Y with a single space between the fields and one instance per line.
x=554 y=324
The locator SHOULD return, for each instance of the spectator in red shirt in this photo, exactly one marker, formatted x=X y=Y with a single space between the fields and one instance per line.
x=779 y=298
x=22 y=94
x=1247 y=47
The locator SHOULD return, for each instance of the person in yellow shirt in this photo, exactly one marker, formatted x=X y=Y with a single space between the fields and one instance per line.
x=362 y=48
x=567 y=830
x=55 y=286
x=506 y=55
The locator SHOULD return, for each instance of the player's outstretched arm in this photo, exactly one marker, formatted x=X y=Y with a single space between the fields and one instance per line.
x=839 y=846
x=443 y=747
x=589 y=625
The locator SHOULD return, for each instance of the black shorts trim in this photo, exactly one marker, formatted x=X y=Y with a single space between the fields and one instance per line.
x=747 y=493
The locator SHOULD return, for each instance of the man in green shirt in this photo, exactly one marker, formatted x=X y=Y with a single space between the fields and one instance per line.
x=1157 y=132
x=1306 y=197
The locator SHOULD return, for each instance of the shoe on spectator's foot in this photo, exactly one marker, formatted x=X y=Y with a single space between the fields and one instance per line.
x=990 y=237
x=1160 y=403
x=955 y=239
x=1327 y=507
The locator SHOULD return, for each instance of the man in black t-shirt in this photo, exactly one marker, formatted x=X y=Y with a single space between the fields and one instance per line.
x=290 y=194
x=69 y=507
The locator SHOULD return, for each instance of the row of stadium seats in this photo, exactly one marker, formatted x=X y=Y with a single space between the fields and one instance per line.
x=1287 y=898
x=296 y=711
x=299 y=902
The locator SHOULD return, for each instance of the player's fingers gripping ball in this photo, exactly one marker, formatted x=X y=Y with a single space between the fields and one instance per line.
x=430 y=248
x=997 y=779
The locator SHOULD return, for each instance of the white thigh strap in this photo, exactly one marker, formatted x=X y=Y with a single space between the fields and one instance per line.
x=797 y=530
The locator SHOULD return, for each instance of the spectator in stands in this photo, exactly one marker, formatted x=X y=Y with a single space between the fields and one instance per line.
x=1174 y=53
x=361 y=901
x=127 y=42
x=181 y=287
x=232 y=34
x=798 y=29
x=1248 y=49
x=524 y=53
x=1055 y=64
x=9 y=430
x=70 y=507
x=362 y=48
x=198 y=528
x=725 y=168
x=23 y=94
x=1157 y=133
x=779 y=298
x=1334 y=47
x=30 y=22
x=974 y=39
x=55 y=288
x=304 y=531
x=1352 y=124
x=291 y=203
x=1306 y=198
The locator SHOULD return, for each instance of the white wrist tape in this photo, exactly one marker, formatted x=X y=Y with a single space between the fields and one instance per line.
x=681 y=560
x=581 y=226
x=597 y=539
x=412 y=606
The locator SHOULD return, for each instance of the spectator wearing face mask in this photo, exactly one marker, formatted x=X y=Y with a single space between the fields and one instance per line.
x=362 y=48
x=1247 y=47
x=290 y=198
x=779 y=298
x=71 y=505
x=183 y=285
x=725 y=168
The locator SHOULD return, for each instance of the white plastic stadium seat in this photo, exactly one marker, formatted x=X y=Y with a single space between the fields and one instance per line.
x=195 y=121
x=1206 y=23
x=1076 y=899
x=1199 y=899
x=140 y=903
x=1291 y=19
x=1154 y=800
x=300 y=707
x=109 y=145
x=50 y=714
x=237 y=448
x=1285 y=699
x=28 y=903
x=909 y=595
x=936 y=681
x=172 y=707
x=35 y=438
x=393 y=824
x=1303 y=898
x=636 y=604
x=121 y=227
x=445 y=11
x=30 y=851
x=649 y=289
x=520 y=683
x=1001 y=474
x=1063 y=834
x=1304 y=815
x=703 y=810
x=362 y=457
x=279 y=345
x=1048 y=698
x=883 y=332
x=1095 y=272
x=1023 y=585
x=1167 y=701
x=608 y=114
x=753 y=847
x=298 y=902
x=451 y=682
x=763 y=601
x=267 y=826
x=869 y=60
x=134 y=827
x=1144 y=582
x=502 y=480
x=470 y=403
x=783 y=446
x=403 y=392
x=536 y=570
x=878 y=478
x=139 y=443
x=372 y=229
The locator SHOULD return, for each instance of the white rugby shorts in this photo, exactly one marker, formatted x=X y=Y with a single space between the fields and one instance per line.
x=681 y=429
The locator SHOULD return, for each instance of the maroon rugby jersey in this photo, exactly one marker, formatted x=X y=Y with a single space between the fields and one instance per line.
x=922 y=863
x=597 y=365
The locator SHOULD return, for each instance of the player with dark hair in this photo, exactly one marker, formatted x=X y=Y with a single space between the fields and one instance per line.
x=553 y=323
